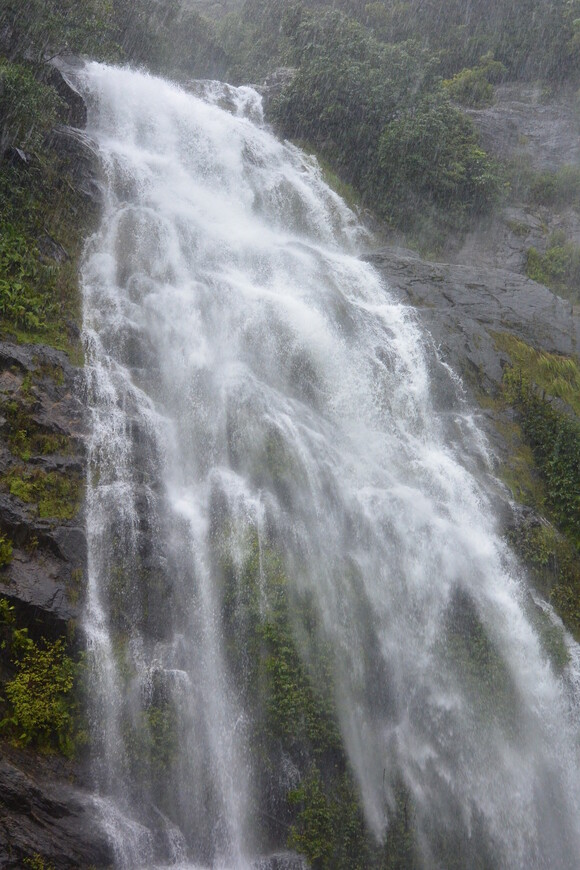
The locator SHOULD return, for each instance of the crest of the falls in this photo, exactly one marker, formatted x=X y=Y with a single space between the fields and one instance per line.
x=273 y=434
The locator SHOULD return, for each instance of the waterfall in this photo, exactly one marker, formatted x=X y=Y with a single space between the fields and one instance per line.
x=294 y=566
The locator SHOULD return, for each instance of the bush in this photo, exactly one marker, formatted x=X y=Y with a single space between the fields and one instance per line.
x=28 y=108
x=474 y=87
x=558 y=269
x=5 y=551
x=25 y=283
x=42 y=694
x=558 y=188
x=430 y=153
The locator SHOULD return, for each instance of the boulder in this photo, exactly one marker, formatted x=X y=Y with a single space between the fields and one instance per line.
x=463 y=307
x=43 y=817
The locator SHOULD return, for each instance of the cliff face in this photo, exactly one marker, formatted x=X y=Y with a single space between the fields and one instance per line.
x=45 y=807
x=47 y=815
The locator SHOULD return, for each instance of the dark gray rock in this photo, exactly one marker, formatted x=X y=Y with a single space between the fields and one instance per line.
x=48 y=818
x=49 y=555
x=78 y=153
x=463 y=306
x=76 y=110
x=525 y=123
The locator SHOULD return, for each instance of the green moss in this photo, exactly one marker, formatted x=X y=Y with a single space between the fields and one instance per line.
x=328 y=826
x=547 y=441
x=554 y=567
x=346 y=191
x=472 y=654
x=54 y=495
x=5 y=550
x=312 y=835
x=25 y=438
x=151 y=741
x=551 y=638
x=284 y=669
x=297 y=712
x=520 y=475
x=37 y=862
x=43 y=222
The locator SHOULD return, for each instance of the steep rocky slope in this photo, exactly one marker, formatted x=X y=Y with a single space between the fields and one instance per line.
x=464 y=305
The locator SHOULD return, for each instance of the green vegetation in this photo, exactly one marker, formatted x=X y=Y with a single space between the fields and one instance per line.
x=151 y=741
x=470 y=651
x=430 y=159
x=25 y=437
x=291 y=687
x=378 y=114
x=371 y=87
x=550 y=461
x=555 y=441
x=5 y=550
x=557 y=188
x=53 y=495
x=553 y=374
x=474 y=87
x=28 y=107
x=43 y=220
x=558 y=268
x=374 y=95
x=37 y=862
x=41 y=703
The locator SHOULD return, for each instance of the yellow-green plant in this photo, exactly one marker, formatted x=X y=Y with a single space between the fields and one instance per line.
x=41 y=694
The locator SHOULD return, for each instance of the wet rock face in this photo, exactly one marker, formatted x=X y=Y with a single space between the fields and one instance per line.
x=463 y=308
x=525 y=123
x=42 y=422
x=51 y=820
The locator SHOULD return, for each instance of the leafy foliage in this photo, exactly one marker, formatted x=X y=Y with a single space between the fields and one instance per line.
x=553 y=435
x=559 y=187
x=378 y=115
x=5 y=550
x=41 y=694
x=430 y=153
x=28 y=107
x=552 y=373
x=40 y=28
x=558 y=268
x=25 y=283
x=474 y=87
x=555 y=440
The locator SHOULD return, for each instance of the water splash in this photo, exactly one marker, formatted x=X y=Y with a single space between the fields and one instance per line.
x=260 y=399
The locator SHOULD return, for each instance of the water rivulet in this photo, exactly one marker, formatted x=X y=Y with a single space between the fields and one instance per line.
x=306 y=635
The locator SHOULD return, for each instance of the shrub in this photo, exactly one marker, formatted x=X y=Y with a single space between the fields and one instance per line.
x=5 y=550
x=28 y=108
x=558 y=188
x=553 y=435
x=474 y=87
x=430 y=153
x=42 y=694
x=558 y=268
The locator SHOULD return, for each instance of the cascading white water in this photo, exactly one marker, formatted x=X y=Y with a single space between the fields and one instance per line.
x=259 y=398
